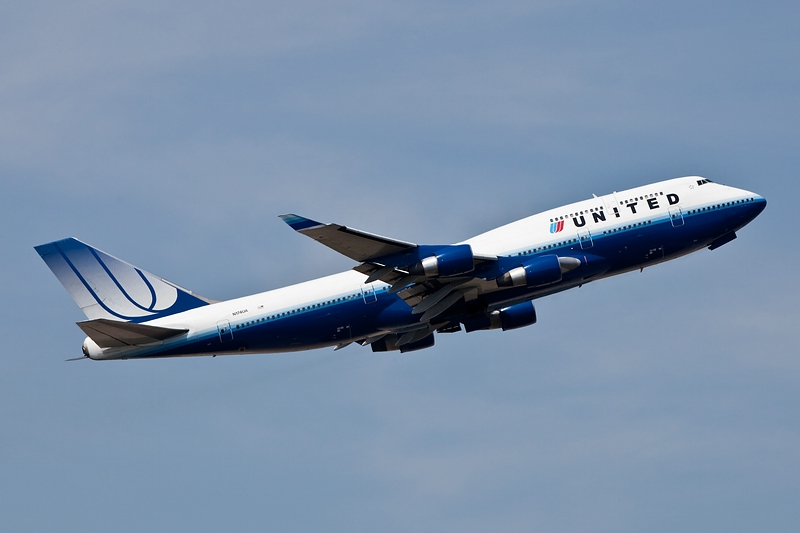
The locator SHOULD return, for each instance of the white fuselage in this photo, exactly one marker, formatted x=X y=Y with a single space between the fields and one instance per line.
x=588 y=227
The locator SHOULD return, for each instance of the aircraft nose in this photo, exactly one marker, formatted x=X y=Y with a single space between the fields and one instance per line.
x=761 y=203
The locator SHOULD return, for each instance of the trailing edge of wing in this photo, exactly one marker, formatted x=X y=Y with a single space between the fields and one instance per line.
x=355 y=244
x=114 y=334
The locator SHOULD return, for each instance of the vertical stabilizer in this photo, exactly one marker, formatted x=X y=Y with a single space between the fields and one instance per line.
x=106 y=287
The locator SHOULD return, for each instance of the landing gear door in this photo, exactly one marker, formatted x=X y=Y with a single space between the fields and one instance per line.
x=224 y=329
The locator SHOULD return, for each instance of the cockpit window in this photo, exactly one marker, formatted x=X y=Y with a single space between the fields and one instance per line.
x=704 y=181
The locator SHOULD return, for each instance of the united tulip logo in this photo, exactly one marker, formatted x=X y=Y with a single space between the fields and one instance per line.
x=557 y=226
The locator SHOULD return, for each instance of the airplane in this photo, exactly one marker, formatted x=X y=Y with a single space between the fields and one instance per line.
x=400 y=294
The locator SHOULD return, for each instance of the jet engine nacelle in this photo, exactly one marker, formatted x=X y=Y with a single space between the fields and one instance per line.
x=446 y=262
x=539 y=271
x=513 y=317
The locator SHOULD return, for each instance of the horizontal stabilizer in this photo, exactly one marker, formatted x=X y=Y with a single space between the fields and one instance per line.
x=114 y=334
x=355 y=244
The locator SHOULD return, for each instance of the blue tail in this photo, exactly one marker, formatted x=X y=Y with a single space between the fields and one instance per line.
x=106 y=287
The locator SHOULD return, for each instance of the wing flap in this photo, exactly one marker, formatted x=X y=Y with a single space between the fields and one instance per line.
x=375 y=272
x=114 y=334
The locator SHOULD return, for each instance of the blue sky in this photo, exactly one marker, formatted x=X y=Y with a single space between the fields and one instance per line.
x=172 y=135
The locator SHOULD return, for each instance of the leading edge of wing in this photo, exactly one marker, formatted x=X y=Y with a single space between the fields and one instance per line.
x=356 y=244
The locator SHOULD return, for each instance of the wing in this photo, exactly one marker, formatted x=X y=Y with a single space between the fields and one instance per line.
x=355 y=244
x=456 y=276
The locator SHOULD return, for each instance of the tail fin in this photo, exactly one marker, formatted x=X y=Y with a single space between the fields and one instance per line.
x=106 y=287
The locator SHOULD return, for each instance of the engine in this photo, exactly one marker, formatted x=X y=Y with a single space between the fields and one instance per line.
x=539 y=271
x=513 y=317
x=446 y=262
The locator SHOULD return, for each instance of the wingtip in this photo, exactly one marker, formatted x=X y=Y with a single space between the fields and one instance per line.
x=297 y=223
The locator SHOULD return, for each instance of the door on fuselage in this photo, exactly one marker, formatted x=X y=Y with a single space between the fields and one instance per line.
x=225 y=332
x=368 y=293
x=585 y=238
x=676 y=216
x=611 y=205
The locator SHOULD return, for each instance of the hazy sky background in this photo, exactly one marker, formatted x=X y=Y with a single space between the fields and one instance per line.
x=173 y=134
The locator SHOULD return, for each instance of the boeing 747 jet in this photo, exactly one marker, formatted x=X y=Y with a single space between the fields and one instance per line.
x=400 y=294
